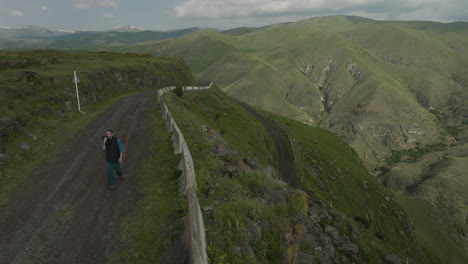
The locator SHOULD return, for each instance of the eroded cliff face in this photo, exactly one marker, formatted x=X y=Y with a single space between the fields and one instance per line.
x=373 y=117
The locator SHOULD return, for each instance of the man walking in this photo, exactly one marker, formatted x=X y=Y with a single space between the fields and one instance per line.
x=114 y=154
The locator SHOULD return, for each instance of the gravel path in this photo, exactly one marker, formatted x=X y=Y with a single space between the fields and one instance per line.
x=65 y=214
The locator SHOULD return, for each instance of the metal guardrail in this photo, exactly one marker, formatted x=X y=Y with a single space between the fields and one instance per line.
x=195 y=228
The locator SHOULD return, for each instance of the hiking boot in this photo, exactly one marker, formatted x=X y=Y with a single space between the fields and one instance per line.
x=122 y=178
x=111 y=188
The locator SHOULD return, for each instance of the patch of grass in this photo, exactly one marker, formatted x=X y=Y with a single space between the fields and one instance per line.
x=411 y=155
x=152 y=232
x=220 y=113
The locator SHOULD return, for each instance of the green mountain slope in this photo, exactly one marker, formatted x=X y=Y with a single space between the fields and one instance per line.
x=338 y=212
x=396 y=91
x=323 y=72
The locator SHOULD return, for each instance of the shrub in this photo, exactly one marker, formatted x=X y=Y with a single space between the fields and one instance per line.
x=179 y=91
x=363 y=221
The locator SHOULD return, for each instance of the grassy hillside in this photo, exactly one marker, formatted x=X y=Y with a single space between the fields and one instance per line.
x=396 y=91
x=344 y=178
x=252 y=217
x=38 y=107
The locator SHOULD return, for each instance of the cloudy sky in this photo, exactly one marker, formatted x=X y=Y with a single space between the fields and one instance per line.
x=173 y=14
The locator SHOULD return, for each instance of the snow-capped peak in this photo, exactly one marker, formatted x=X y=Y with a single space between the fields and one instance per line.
x=128 y=28
x=2 y=27
x=66 y=31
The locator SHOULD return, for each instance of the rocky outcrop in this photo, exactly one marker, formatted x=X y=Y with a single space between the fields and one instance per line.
x=354 y=70
x=26 y=76
x=325 y=243
x=19 y=63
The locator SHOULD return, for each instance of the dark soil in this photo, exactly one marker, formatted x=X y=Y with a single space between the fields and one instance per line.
x=285 y=163
x=65 y=214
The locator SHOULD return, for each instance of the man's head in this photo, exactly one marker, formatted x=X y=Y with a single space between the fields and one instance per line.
x=109 y=133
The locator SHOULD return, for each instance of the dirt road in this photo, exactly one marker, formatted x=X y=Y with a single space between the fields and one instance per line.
x=65 y=214
x=285 y=163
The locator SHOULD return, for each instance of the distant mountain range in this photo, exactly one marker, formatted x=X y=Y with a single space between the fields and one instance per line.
x=41 y=30
x=37 y=37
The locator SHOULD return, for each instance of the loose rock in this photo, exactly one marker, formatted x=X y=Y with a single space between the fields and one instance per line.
x=4 y=157
x=392 y=259
x=33 y=136
x=24 y=146
x=350 y=248
x=306 y=259
x=333 y=232
x=68 y=104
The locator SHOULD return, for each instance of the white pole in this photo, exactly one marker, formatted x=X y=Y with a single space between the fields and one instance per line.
x=77 y=95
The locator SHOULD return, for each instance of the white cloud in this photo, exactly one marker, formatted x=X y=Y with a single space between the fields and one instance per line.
x=17 y=13
x=398 y=9
x=83 y=4
x=108 y=15
x=87 y=4
x=44 y=8
x=108 y=3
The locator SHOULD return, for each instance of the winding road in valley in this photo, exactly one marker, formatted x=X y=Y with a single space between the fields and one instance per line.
x=285 y=162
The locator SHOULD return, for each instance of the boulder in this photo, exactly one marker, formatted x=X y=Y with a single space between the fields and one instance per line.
x=248 y=252
x=231 y=171
x=333 y=233
x=392 y=259
x=349 y=248
x=314 y=218
x=4 y=157
x=306 y=259
x=365 y=185
x=244 y=167
x=205 y=128
x=255 y=231
x=68 y=104
x=278 y=198
x=31 y=135
x=250 y=163
x=24 y=146
x=26 y=75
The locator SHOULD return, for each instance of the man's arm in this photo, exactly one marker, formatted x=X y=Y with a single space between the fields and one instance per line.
x=104 y=144
x=121 y=149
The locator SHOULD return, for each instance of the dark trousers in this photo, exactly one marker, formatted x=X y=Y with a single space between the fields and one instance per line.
x=111 y=166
